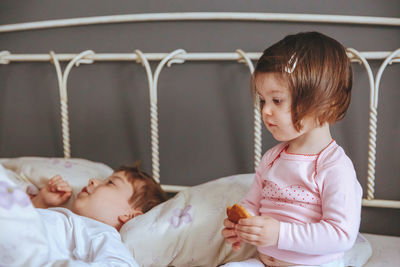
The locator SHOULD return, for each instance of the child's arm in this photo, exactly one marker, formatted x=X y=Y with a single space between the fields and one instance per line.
x=251 y=203
x=55 y=193
x=337 y=230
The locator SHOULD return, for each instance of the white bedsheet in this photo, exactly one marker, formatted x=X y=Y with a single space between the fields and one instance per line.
x=71 y=236
x=385 y=251
x=63 y=240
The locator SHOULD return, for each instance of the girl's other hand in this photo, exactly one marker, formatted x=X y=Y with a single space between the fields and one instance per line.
x=259 y=231
x=230 y=235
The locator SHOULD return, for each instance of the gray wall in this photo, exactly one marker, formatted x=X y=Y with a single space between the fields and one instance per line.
x=205 y=108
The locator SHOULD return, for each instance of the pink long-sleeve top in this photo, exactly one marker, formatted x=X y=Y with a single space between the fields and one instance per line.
x=316 y=198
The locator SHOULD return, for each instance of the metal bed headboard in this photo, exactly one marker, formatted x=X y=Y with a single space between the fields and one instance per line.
x=180 y=56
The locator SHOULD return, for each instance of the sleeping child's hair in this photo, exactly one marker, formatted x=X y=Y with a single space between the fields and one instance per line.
x=147 y=193
x=318 y=73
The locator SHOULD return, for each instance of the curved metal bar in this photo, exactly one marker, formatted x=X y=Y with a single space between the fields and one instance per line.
x=152 y=82
x=363 y=60
x=257 y=116
x=155 y=160
x=77 y=61
x=203 y=16
x=56 y=63
x=3 y=55
x=63 y=106
x=62 y=80
x=141 y=58
x=372 y=125
x=387 y=61
x=245 y=59
x=169 y=59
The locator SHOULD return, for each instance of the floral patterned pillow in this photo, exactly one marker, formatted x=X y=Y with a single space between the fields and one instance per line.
x=186 y=230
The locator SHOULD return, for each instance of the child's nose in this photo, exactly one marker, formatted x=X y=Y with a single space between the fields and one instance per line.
x=93 y=182
x=266 y=109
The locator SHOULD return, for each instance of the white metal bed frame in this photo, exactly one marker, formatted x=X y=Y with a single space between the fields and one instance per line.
x=180 y=56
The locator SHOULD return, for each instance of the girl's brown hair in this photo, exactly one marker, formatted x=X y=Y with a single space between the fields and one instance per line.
x=318 y=73
x=147 y=193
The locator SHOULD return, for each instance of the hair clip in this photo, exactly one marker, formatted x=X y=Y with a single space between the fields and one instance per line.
x=292 y=62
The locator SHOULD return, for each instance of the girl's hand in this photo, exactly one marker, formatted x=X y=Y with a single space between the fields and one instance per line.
x=55 y=193
x=259 y=231
x=229 y=233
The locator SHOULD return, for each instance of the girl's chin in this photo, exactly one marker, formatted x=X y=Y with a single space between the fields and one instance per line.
x=280 y=138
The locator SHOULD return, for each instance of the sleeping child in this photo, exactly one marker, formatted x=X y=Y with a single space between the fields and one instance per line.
x=88 y=233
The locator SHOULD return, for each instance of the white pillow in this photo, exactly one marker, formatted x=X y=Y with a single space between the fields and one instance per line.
x=186 y=230
x=36 y=171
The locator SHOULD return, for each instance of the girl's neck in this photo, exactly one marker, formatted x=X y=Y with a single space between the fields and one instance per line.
x=312 y=141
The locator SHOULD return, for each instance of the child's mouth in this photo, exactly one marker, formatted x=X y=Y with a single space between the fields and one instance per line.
x=84 y=190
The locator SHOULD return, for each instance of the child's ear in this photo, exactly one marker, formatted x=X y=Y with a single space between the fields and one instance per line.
x=126 y=217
